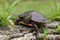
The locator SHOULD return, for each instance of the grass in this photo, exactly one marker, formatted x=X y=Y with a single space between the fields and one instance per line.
x=11 y=23
x=32 y=5
x=6 y=13
x=41 y=6
x=45 y=34
x=55 y=13
x=58 y=29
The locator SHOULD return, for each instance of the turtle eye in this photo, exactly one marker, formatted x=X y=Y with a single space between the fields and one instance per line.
x=21 y=18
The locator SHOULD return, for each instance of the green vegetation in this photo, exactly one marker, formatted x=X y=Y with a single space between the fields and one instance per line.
x=6 y=13
x=58 y=29
x=55 y=13
x=45 y=34
x=11 y=23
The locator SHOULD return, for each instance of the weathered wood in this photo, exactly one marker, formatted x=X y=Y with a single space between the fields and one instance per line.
x=49 y=37
x=52 y=25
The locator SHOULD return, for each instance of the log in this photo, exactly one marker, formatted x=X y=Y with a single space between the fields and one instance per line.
x=52 y=25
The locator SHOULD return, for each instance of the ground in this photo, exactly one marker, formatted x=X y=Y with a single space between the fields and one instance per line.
x=23 y=33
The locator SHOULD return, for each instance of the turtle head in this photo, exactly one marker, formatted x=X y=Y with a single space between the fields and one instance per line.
x=25 y=17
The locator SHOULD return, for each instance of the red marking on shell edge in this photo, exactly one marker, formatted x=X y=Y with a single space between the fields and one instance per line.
x=26 y=24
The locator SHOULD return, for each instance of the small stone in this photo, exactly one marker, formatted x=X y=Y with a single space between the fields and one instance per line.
x=30 y=36
x=21 y=38
x=4 y=37
x=51 y=31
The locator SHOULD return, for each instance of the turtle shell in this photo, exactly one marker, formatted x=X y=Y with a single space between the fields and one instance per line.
x=37 y=16
x=33 y=16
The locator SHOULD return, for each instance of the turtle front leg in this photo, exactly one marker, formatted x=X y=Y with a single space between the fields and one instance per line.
x=35 y=26
x=37 y=30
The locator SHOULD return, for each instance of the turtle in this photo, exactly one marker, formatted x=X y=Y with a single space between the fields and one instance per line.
x=31 y=18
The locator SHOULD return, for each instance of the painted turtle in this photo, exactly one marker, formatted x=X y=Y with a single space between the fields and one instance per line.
x=31 y=18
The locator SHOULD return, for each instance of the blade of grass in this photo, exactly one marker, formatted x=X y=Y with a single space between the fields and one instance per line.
x=45 y=34
x=9 y=9
x=52 y=15
x=11 y=23
x=54 y=12
x=6 y=13
x=58 y=29
x=55 y=3
x=4 y=19
x=58 y=12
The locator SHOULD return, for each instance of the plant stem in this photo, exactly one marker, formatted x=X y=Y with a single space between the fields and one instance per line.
x=55 y=3
x=45 y=34
x=3 y=6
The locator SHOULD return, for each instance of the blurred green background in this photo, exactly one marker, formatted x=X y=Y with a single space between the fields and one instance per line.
x=43 y=6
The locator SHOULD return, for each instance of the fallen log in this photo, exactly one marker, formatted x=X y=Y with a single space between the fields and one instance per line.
x=52 y=25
